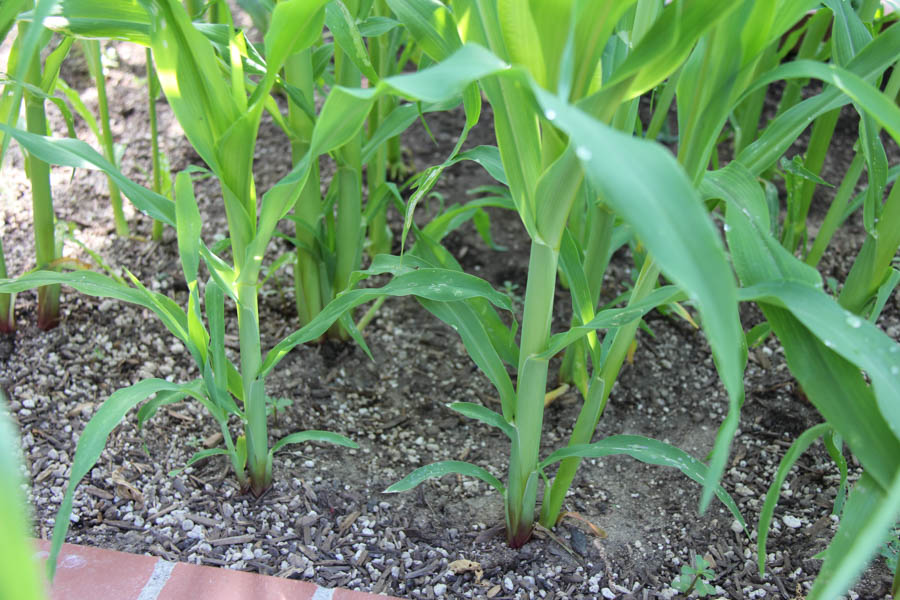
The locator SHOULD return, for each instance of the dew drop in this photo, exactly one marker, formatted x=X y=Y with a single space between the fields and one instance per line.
x=726 y=227
x=854 y=321
x=583 y=153
x=550 y=114
x=894 y=348
x=829 y=343
x=895 y=370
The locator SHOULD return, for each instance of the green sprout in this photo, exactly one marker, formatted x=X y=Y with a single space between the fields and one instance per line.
x=695 y=577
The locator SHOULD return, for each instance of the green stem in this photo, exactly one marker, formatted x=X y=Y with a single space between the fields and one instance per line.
x=819 y=141
x=93 y=53
x=835 y=215
x=153 y=94
x=254 y=389
x=348 y=242
x=597 y=398
x=7 y=306
x=41 y=200
x=376 y=171
x=873 y=263
x=531 y=389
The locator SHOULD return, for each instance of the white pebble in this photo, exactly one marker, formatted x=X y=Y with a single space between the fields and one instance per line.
x=736 y=526
x=247 y=554
x=440 y=589
x=792 y=522
x=607 y=593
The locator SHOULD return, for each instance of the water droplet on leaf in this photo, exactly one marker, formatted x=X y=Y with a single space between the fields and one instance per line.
x=583 y=153
x=550 y=114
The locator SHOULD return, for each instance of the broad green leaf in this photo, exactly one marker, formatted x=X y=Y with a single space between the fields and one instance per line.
x=377 y=26
x=855 y=87
x=434 y=284
x=430 y=23
x=485 y=415
x=651 y=452
x=870 y=511
x=190 y=76
x=343 y=27
x=93 y=440
x=295 y=26
x=848 y=335
x=755 y=251
x=19 y=576
x=798 y=447
x=98 y=19
x=188 y=224
x=313 y=436
x=439 y=469
x=668 y=43
x=826 y=377
x=77 y=154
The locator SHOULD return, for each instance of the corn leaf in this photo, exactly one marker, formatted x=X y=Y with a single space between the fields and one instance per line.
x=313 y=436
x=77 y=154
x=485 y=415
x=93 y=440
x=99 y=19
x=823 y=370
x=434 y=284
x=439 y=469
x=871 y=510
x=798 y=447
x=651 y=452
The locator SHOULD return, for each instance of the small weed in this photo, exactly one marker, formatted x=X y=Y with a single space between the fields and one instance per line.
x=695 y=576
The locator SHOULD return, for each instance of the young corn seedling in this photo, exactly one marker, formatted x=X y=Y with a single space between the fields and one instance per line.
x=34 y=81
x=221 y=120
x=827 y=346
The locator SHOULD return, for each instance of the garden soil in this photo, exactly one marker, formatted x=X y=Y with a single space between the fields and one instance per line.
x=630 y=527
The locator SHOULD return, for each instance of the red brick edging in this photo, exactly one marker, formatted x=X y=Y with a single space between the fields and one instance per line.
x=86 y=573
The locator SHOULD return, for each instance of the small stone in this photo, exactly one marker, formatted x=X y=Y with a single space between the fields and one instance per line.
x=736 y=526
x=187 y=524
x=607 y=593
x=440 y=589
x=508 y=583
x=247 y=554
x=105 y=305
x=28 y=402
x=792 y=522
x=227 y=510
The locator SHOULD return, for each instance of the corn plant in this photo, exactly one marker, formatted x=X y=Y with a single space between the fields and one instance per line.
x=34 y=81
x=221 y=120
